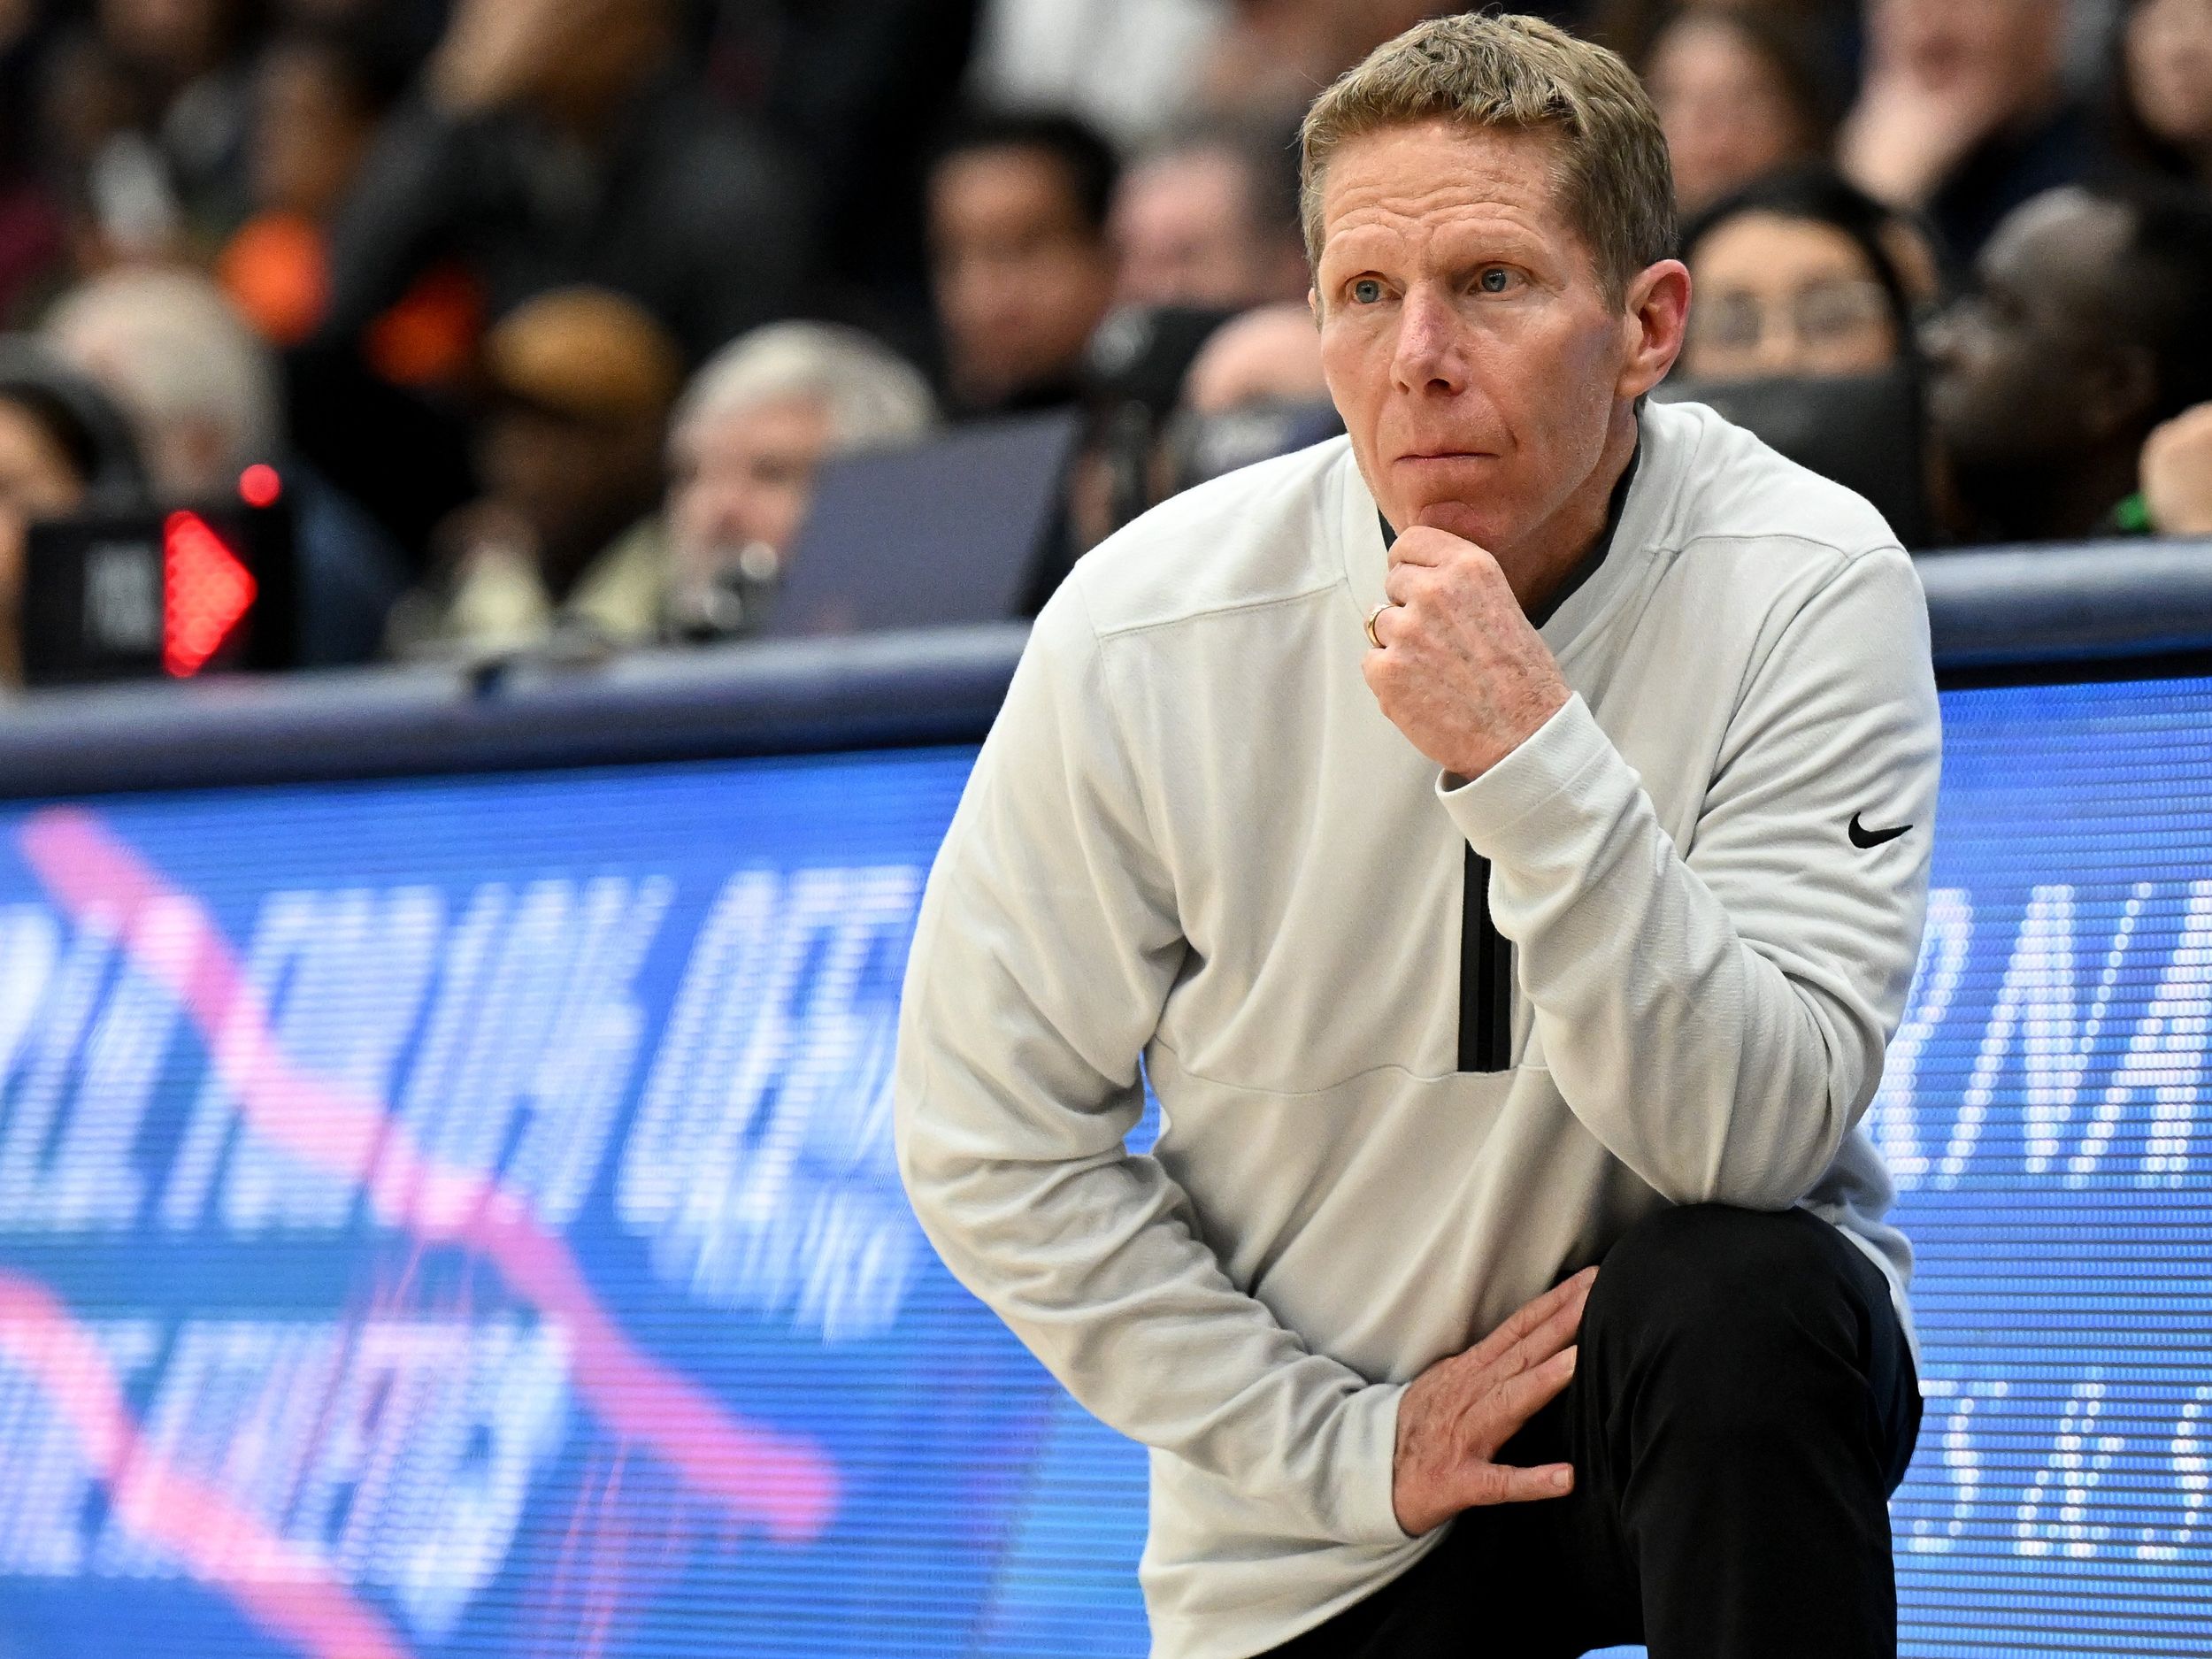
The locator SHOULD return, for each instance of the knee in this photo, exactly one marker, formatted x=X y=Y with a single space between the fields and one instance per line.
x=1729 y=1302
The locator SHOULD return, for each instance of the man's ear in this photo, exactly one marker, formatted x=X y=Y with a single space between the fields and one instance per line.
x=1313 y=305
x=1656 y=311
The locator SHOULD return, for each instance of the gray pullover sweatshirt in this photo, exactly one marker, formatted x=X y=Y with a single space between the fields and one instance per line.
x=1193 y=837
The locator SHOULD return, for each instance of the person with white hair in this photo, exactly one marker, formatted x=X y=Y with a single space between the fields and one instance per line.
x=204 y=396
x=750 y=432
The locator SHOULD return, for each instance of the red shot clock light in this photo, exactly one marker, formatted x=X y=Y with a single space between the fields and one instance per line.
x=260 y=486
x=178 y=593
x=206 y=593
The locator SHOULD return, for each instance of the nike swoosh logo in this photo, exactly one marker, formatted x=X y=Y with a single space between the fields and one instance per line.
x=1861 y=836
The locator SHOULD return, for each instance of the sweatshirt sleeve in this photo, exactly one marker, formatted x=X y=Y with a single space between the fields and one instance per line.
x=1718 y=1020
x=1045 y=949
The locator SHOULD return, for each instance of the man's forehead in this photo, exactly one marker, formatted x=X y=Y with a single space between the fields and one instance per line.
x=1212 y=163
x=1442 y=171
x=1023 y=168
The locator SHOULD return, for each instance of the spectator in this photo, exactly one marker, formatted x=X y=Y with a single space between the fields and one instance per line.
x=849 y=85
x=2163 y=84
x=1129 y=67
x=147 y=110
x=570 y=459
x=1255 y=391
x=1738 y=99
x=319 y=96
x=203 y=395
x=1803 y=331
x=1964 y=115
x=1266 y=66
x=63 y=446
x=1268 y=356
x=752 y=429
x=1132 y=380
x=1022 y=265
x=557 y=142
x=1209 y=219
x=2091 y=326
x=1796 y=275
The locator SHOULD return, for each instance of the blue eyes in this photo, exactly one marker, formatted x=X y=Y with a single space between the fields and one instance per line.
x=1495 y=279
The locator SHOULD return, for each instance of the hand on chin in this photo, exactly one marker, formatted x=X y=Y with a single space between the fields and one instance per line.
x=1472 y=520
x=1459 y=495
x=1457 y=667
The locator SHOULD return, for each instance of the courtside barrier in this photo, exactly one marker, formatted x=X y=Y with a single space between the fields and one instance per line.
x=2055 y=607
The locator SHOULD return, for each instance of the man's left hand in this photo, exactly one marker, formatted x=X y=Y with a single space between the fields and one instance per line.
x=1461 y=673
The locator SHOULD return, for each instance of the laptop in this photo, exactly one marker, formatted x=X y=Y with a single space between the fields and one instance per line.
x=957 y=530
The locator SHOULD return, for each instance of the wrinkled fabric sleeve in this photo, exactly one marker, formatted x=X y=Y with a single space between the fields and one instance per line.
x=1717 y=1018
x=1045 y=949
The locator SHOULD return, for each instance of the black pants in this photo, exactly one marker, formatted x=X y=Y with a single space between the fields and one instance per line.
x=1742 y=1407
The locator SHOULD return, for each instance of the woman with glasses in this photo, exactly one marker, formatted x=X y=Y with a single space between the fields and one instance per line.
x=1806 y=297
x=1803 y=274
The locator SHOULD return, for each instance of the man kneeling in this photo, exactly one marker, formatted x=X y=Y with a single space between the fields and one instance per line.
x=1503 y=833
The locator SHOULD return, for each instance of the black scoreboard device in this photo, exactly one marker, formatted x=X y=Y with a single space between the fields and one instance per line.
x=174 y=593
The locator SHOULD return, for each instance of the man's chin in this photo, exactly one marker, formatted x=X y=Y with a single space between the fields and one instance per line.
x=1485 y=527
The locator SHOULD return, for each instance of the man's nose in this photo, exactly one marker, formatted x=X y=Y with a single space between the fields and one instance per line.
x=713 y=515
x=1430 y=353
x=734 y=516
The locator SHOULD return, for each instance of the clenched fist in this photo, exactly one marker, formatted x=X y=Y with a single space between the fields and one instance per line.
x=1461 y=673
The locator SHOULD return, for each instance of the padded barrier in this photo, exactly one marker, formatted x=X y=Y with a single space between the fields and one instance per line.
x=2069 y=604
x=2014 y=606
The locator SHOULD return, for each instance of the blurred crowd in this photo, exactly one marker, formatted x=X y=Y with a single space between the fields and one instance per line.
x=548 y=312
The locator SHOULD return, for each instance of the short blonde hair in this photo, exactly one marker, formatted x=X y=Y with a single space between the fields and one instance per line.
x=1517 y=74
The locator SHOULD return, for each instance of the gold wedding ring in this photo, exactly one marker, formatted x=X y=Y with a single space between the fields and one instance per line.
x=1372 y=615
